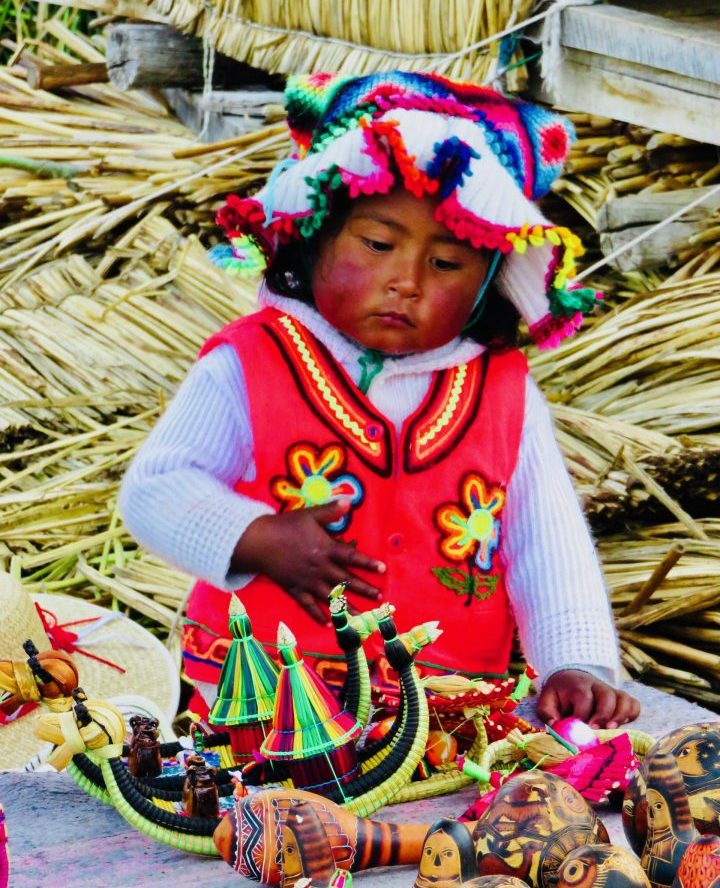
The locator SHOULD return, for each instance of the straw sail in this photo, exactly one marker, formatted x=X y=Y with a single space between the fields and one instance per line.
x=248 y=681
x=308 y=720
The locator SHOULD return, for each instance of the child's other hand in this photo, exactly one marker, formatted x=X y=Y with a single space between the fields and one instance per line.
x=295 y=551
x=580 y=694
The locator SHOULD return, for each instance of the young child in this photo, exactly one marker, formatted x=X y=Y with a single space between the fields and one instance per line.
x=373 y=422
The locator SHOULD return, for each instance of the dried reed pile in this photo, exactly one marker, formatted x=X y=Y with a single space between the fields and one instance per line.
x=358 y=37
x=107 y=294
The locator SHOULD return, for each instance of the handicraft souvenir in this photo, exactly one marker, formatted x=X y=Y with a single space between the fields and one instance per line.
x=532 y=824
x=700 y=864
x=305 y=850
x=447 y=859
x=601 y=866
x=696 y=749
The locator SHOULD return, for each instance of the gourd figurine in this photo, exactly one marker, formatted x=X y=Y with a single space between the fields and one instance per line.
x=670 y=825
x=50 y=675
x=144 y=760
x=700 y=864
x=531 y=825
x=696 y=749
x=306 y=852
x=246 y=690
x=249 y=837
x=601 y=866
x=494 y=882
x=448 y=856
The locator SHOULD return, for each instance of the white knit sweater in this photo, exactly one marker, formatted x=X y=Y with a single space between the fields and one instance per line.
x=177 y=497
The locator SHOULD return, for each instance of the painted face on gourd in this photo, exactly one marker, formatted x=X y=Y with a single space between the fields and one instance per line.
x=440 y=863
x=533 y=823
x=601 y=866
x=696 y=749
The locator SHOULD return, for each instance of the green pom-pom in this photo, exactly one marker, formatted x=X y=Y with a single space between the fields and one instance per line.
x=564 y=302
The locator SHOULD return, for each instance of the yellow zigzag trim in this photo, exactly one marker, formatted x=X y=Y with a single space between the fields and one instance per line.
x=327 y=394
x=450 y=407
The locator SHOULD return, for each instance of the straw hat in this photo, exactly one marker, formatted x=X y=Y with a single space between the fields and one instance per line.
x=114 y=656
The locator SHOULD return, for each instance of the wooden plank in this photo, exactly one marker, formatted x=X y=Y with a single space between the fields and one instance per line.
x=654 y=250
x=194 y=109
x=582 y=87
x=638 y=209
x=638 y=37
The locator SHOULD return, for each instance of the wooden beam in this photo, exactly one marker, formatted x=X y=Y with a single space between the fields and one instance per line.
x=48 y=77
x=651 y=40
x=655 y=250
x=638 y=209
x=160 y=56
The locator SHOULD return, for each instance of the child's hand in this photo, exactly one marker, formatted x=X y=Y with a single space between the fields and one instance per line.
x=295 y=551
x=580 y=694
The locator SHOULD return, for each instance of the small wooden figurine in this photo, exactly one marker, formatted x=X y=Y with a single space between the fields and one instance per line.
x=144 y=760
x=202 y=793
x=448 y=856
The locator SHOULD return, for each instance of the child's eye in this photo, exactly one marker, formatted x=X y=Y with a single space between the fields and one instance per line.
x=377 y=246
x=444 y=264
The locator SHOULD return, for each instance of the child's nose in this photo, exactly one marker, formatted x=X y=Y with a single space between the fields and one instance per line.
x=406 y=276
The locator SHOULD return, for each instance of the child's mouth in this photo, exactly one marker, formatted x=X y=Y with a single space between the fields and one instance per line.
x=395 y=319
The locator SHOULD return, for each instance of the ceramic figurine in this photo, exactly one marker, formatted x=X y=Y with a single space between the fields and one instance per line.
x=306 y=852
x=531 y=825
x=696 y=749
x=448 y=856
x=670 y=825
x=144 y=760
x=249 y=837
x=192 y=763
x=601 y=866
x=700 y=864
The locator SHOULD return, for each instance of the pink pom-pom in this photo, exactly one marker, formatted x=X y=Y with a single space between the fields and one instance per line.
x=575 y=731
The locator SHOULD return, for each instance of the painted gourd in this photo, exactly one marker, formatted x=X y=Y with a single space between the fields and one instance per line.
x=531 y=825
x=700 y=864
x=670 y=824
x=696 y=749
x=249 y=838
x=448 y=856
x=306 y=852
x=494 y=882
x=601 y=866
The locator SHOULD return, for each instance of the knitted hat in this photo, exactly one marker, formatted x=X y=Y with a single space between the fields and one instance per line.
x=485 y=158
x=113 y=655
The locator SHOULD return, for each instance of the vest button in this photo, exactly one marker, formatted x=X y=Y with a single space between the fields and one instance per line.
x=373 y=431
x=395 y=540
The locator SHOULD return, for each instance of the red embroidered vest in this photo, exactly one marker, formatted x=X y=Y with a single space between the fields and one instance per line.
x=427 y=502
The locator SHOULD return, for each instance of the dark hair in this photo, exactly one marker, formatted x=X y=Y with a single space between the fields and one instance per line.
x=289 y=273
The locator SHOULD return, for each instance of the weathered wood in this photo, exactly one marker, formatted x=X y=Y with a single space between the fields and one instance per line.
x=220 y=116
x=654 y=250
x=41 y=76
x=636 y=209
x=583 y=87
x=650 y=70
x=157 y=56
x=652 y=40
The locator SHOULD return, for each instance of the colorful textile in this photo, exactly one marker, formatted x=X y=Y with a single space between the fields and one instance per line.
x=468 y=427
x=485 y=158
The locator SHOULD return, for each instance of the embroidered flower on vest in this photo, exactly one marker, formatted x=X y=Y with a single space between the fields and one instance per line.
x=315 y=480
x=472 y=528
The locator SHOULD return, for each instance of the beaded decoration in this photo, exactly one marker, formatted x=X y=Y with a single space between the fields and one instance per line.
x=485 y=158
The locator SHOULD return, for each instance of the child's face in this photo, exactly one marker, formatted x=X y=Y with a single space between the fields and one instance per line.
x=394 y=278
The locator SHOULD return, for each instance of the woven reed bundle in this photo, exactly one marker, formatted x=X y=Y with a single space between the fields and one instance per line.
x=673 y=639
x=611 y=159
x=357 y=37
